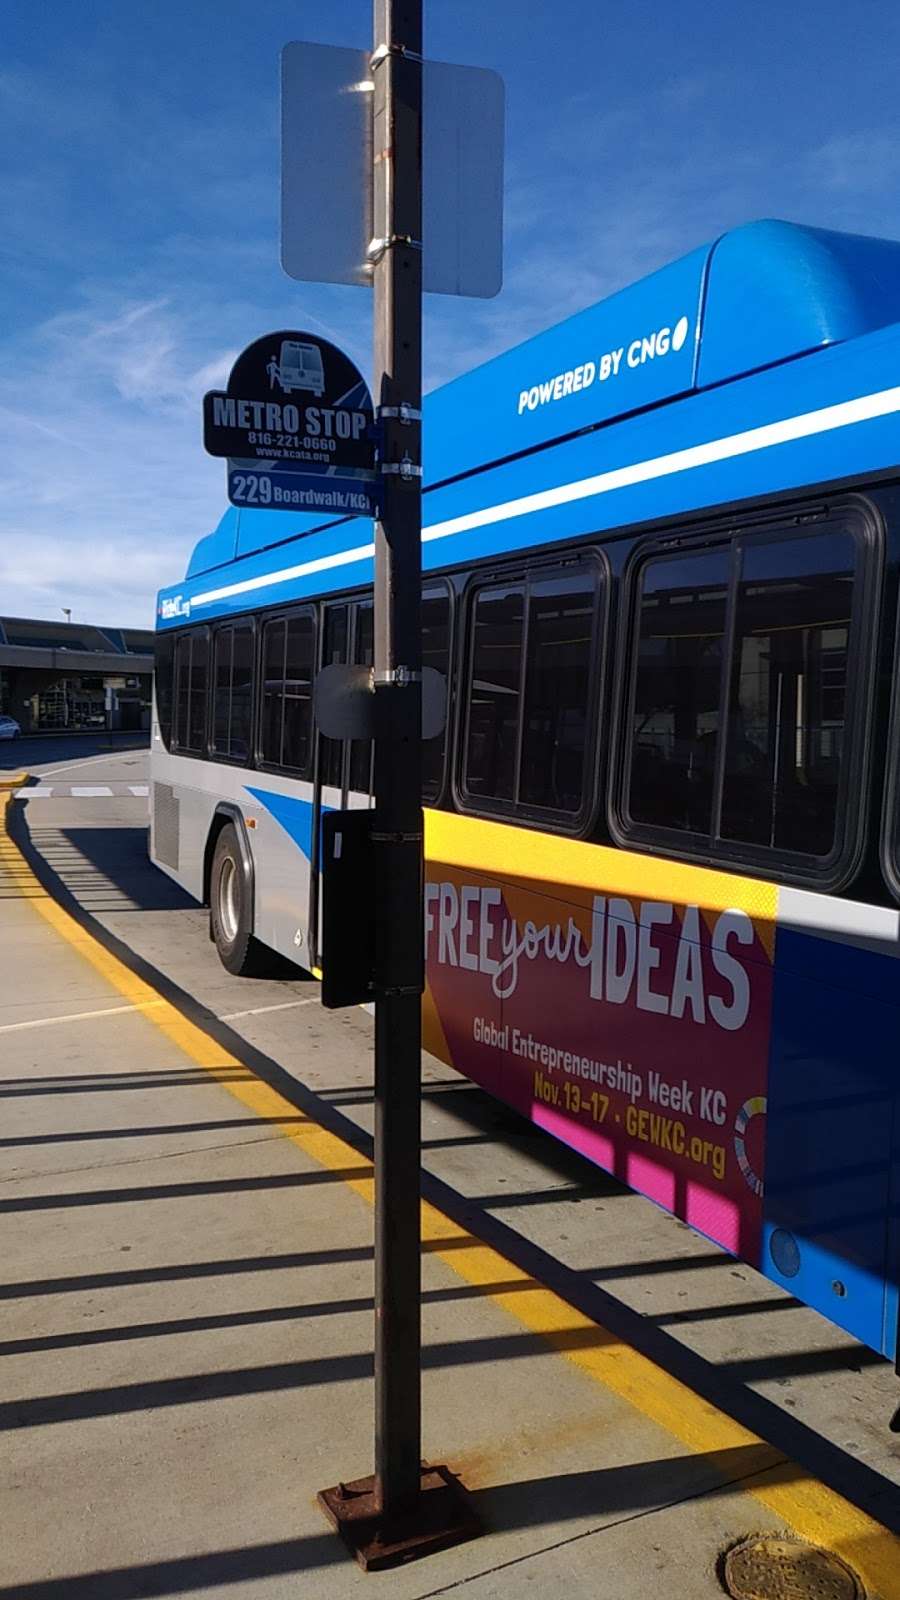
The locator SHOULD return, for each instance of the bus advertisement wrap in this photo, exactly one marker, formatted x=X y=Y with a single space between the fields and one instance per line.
x=635 y=1029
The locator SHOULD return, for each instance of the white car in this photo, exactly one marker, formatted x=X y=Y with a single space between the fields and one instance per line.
x=9 y=728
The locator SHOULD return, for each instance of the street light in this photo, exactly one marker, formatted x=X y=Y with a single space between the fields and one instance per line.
x=67 y=612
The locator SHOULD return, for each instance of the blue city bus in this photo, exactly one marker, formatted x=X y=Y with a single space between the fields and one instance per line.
x=662 y=904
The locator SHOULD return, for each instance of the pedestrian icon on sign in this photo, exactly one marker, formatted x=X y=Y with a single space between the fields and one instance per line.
x=272 y=370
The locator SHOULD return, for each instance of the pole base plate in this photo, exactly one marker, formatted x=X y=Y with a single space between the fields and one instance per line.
x=442 y=1517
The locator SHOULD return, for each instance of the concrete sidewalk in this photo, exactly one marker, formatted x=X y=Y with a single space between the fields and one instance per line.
x=187 y=1280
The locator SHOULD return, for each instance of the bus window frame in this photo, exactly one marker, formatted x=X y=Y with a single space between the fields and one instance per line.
x=352 y=599
x=164 y=643
x=434 y=584
x=850 y=513
x=199 y=753
x=523 y=570
x=182 y=641
x=264 y=619
x=889 y=823
x=244 y=619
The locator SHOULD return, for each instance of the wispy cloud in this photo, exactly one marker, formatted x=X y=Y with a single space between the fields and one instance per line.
x=105 y=483
x=865 y=161
x=138 y=254
x=95 y=587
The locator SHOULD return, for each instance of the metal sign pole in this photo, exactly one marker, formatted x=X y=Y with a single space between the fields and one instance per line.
x=407 y=1508
x=397 y=388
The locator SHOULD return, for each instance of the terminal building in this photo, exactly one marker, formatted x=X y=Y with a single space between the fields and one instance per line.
x=72 y=675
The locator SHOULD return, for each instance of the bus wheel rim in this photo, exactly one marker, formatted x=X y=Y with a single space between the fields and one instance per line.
x=228 y=900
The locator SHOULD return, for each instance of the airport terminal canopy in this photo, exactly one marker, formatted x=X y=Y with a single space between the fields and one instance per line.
x=68 y=674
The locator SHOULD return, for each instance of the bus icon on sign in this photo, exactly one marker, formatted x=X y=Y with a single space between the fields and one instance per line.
x=300 y=367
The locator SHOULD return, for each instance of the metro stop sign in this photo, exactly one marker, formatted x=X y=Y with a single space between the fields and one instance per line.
x=296 y=424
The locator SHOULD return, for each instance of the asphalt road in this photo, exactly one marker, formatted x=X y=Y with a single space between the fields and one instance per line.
x=45 y=752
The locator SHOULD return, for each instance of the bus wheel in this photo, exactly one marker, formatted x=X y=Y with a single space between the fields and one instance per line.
x=230 y=912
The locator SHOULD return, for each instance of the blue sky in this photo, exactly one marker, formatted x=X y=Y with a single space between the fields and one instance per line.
x=139 y=176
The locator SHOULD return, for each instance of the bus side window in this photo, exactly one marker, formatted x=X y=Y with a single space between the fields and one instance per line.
x=299 y=666
x=361 y=776
x=182 y=689
x=232 y=701
x=494 y=691
x=222 y=691
x=786 y=709
x=555 y=739
x=288 y=657
x=164 y=677
x=335 y=635
x=435 y=653
x=196 y=711
x=751 y=754
x=272 y=709
x=241 y=713
x=677 y=673
x=533 y=662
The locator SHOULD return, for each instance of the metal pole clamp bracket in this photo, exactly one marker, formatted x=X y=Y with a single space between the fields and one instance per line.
x=385 y=50
x=397 y=676
x=379 y=247
x=403 y=412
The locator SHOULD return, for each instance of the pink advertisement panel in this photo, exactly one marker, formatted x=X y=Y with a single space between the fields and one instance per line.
x=634 y=1029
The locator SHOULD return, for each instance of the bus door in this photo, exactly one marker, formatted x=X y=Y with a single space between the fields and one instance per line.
x=343 y=767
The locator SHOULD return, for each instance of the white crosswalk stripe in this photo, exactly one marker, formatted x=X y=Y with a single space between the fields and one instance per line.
x=83 y=791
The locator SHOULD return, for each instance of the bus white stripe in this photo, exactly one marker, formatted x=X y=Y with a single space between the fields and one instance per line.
x=364 y=552
x=866 y=408
x=698 y=455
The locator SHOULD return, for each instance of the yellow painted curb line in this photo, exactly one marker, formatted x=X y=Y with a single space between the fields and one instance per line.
x=791 y=1495
x=13 y=780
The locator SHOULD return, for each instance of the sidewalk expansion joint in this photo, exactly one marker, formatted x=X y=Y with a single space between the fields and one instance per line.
x=136 y=1161
x=741 y=1480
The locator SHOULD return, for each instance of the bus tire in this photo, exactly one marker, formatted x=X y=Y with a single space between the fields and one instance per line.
x=231 y=914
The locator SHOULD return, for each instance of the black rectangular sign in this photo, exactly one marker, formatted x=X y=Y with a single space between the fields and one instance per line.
x=287 y=430
x=348 y=909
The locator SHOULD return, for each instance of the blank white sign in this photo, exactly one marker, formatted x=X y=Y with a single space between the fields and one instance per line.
x=326 y=171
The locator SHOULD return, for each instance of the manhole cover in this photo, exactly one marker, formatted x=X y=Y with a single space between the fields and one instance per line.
x=782 y=1569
